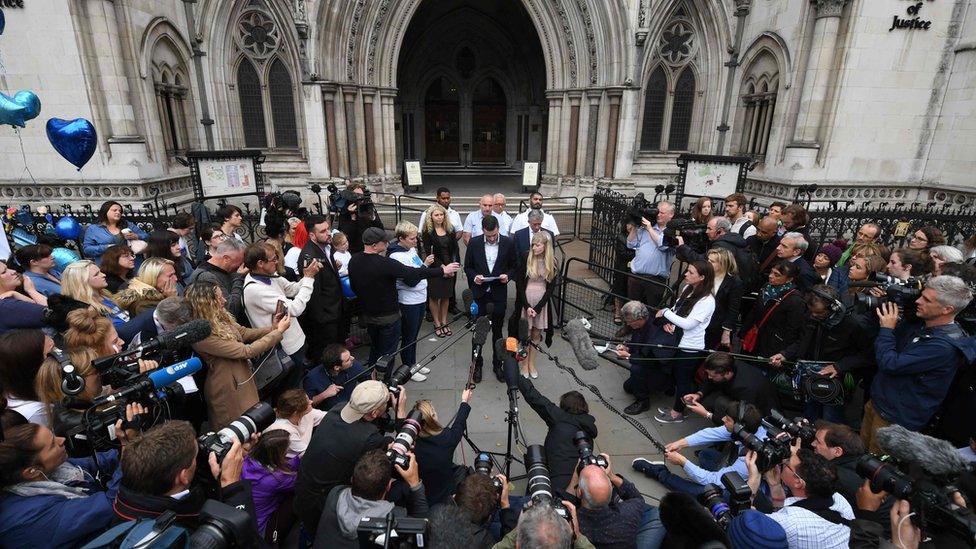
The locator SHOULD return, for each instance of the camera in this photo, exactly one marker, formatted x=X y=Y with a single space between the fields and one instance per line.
x=740 y=498
x=930 y=498
x=482 y=466
x=223 y=526
x=798 y=427
x=769 y=453
x=405 y=438
x=585 y=448
x=539 y=487
x=339 y=201
x=255 y=419
x=900 y=292
x=285 y=205
x=692 y=233
x=641 y=209
x=391 y=531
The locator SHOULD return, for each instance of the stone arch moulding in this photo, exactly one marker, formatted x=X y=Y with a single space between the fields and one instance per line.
x=161 y=29
x=777 y=47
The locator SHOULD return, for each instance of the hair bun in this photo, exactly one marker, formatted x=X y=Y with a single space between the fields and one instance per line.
x=84 y=320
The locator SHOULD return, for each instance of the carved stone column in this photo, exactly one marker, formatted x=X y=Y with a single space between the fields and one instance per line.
x=369 y=131
x=352 y=143
x=387 y=98
x=554 y=137
x=572 y=136
x=818 y=75
x=613 y=127
x=331 y=129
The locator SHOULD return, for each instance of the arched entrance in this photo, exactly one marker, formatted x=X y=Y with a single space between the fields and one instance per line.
x=486 y=108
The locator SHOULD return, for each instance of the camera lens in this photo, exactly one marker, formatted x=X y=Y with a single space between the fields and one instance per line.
x=406 y=437
x=711 y=498
x=255 y=419
x=482 y=464
x=539 y=487
x=884 y=476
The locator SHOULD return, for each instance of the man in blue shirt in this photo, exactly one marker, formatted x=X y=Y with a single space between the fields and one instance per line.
x=37 y=262
x=653 y=258
x=328 y=383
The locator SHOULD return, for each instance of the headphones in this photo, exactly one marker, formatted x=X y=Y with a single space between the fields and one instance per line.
x=833 y=303
x=72 y=384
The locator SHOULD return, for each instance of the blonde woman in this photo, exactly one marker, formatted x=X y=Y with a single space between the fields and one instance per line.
x=727 y=289
x=155 y=282
x=437 y=239
x=534 y=284
x=435 y=448
x=230 y=387
x=85 y=282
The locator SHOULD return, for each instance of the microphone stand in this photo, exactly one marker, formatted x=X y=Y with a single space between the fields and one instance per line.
x=387 y=356
x=514 y=428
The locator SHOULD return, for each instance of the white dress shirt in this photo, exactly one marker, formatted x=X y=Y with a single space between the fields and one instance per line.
x=521 y=221
x=504 y=222
x=807 y=530
x=491 y=255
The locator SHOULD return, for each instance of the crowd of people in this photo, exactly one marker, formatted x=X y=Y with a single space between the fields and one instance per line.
x=757 y=314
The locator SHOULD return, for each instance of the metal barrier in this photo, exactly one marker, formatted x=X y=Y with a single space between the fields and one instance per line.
x=594 y=299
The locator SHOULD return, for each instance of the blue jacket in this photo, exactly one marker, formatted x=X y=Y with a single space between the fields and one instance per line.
x=44 y=285
x=916 y=366
x=54 y=521
x=98 y=239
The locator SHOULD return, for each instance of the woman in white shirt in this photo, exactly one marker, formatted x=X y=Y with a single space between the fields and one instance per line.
x=21 y=355
x=412 y=299
x=296 y=416
x=691 y=313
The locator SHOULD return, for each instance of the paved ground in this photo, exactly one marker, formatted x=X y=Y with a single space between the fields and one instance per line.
x=486 y=424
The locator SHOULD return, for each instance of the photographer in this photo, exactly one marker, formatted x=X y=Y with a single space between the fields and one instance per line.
x=226 y=270
x=814 y=515
x=328 y=383
x=158 y=471
x=359 y=215
x=711 y=466
x=833 y=335
x=435 y=448
x=721 y=236
x=724 y=377
x=47 y=499
x=563 y=422
x=842 y=446
x=652 y=257
x=611 y=509
x=340 y=440
x=917 y=363
x=478 y=500
x=346 y=506
x=540 y=526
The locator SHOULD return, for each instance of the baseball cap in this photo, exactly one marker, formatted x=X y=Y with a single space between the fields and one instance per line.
x=366 y=397
x=374 y=235
x=754 y=530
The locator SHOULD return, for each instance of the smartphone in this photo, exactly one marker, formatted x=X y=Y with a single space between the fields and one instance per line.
x=279 y=309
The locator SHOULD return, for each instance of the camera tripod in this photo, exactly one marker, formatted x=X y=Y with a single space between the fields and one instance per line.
x=514 y=437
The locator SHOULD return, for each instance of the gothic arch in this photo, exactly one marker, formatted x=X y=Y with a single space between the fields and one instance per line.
x=773 y=44
x=758 y=118
x=164 y=61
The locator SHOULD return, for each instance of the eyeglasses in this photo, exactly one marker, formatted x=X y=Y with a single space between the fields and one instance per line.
x=792 y=470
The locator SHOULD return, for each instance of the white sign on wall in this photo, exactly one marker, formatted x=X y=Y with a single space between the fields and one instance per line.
x=530 y=174
x=711 y=178
x=227 y=176
x=414 y=177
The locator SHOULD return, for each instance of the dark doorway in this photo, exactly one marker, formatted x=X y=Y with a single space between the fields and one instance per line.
x=441 y=110
x=488 y=123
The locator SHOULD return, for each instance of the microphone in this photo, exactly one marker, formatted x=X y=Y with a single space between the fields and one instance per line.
x=481 y=328
x=511 y=375
x=154 y=380
x=470 y=306
x=935 y=456
x=582 y=345
x=186 y=334
x=515 y=347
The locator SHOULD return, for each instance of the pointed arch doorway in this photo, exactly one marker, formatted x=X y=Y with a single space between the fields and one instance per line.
x=488 y=123
x=441 y=123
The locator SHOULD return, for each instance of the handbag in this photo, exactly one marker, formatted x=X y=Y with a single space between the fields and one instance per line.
x=751 y=338
x=272 y=365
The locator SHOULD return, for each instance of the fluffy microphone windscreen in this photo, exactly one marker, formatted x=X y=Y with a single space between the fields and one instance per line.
x=935 y=456
x=582 y=345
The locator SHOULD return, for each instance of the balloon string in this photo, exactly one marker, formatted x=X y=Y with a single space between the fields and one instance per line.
x=24 y=155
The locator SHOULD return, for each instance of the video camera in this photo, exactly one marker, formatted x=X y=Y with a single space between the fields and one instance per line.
x=405 y=439
x=769 y=452
x=539 y=488
x=482 y=466
x=391 y=531
x=740 y=499
x=900 y=292
x=692 y=233
x=798 y=427
x=121 y=368
x=255 y=419
x=585 y=448
x=339 y=201
x=284 y=205
x=930 y=497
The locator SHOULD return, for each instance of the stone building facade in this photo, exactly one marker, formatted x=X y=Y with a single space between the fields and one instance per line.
x=869 y=99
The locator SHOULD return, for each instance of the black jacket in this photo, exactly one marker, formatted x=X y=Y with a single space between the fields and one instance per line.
x=373 y=277
x=131 y=505
x=523 y=241
x=761 y=251
x=748 y=384
x=325 y=304
x=332 y=453
x=615 y=526
x=847 y=343
x=728 y=298
x=354 y=228
x=435 y=457
x=736 y=245
x=561 y=453
x=808 y=277
x=475 y=264
x=429 y=244
x=782 y=327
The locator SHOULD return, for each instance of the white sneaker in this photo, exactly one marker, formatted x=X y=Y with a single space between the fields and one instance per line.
x=418 y=377
x=425 y=370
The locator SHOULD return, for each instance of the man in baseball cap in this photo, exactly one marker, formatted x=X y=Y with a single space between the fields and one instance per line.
x=346 y=433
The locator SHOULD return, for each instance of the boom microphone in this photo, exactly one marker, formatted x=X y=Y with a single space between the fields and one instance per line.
x=155 y=380
x=581 y=344
x=481 y=328
x=186 y=334
x=935 y=456
x=511 y=370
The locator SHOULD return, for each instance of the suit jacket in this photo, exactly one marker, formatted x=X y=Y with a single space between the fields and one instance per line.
x=523 y=241
x=475 y=264
x=325 y=305
x=808 y=277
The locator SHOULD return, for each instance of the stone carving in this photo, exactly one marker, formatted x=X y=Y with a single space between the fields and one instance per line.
x=257 y=34
x=357 y=16
x=828 y=8
x=590 y=38
x=374 y=38
x=570 y=44
x=94 y=193
x=642 y=14
x=677 y=43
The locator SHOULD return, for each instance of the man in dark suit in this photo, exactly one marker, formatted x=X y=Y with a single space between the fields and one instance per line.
x=490 y=256
x=791 y=248
x=523 y=237
x=322 y=315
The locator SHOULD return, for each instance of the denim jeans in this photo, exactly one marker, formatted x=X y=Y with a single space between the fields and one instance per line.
x=710 y=459
x=672 y=481
x=684 y=368
x=384 y=339
x=411 y=316
x=651 y=533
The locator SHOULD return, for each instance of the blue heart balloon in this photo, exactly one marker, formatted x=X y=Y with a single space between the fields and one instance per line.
x=347 y=288
x=64 y=257
x=75 y=140
x=67 y=228
x=3 y=22
x=12 y=112
x=30 y=102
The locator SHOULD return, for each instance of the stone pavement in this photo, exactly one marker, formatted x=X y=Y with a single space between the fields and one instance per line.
x=486 y=424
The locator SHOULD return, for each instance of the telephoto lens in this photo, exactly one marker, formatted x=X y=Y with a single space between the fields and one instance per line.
x=482 y=466
x=711 y=498
x=255 y=419
x=798 y=427
x=769 y=452
x=585 y=449
x=885 y=476
x=406 y=437
x=539 y=487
